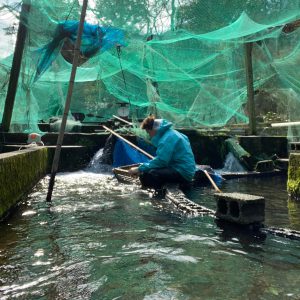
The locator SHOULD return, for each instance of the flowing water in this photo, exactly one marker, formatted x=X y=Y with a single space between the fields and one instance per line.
x=103 y=240
x=232 y=164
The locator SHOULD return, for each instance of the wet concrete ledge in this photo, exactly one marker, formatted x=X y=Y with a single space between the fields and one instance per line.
x=72 y=157
x=21 y=167
x=209 y=148
x=19 y=173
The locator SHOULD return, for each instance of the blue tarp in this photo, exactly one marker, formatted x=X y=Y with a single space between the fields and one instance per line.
x=126 y=155
x=94 y=39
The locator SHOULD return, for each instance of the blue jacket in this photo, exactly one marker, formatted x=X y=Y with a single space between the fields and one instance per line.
x=173 y=151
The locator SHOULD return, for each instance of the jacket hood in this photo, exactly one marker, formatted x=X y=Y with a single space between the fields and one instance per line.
x=163 y=126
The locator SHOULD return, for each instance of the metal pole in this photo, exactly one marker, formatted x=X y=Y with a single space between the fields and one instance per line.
x=68 y=102
x=15 y=68
x=250 y=88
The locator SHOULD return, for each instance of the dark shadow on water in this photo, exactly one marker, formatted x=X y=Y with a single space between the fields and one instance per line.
x=245 y=234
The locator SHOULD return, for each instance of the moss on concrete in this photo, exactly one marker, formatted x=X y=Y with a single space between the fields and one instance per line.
x=19 y=172
x=294 y=213
x=293 y=184
x=208 y=149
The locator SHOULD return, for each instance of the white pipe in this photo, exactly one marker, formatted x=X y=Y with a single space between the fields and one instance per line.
x=286 y=124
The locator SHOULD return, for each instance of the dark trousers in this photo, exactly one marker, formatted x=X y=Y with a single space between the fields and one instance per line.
x=156 y=178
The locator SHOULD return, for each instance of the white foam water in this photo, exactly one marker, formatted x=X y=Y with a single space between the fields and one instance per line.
x=232 y=164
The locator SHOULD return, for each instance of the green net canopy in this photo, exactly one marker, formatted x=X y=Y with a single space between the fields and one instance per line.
x=182 y=60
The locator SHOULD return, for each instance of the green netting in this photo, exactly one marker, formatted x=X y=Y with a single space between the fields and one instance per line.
x=183 y=60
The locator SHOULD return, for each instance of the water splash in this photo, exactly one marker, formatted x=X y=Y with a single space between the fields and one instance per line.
x=232 y=164
x=96 y=165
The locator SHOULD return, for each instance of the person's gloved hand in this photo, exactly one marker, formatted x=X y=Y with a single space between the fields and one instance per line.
x=134 y=171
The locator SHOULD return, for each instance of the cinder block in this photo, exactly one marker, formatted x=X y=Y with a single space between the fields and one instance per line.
x=282 y=163
x=295 y=146
x=240 y=208
x=264 y=166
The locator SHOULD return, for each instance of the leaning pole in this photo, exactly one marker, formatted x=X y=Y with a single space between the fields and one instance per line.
x=68 y=102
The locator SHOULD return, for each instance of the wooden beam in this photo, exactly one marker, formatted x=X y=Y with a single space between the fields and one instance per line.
x=125 y=121
x=128 y=142
x=15 y=68
x=250 y=88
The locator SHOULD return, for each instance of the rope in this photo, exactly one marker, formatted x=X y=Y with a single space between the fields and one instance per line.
x=123 y=75
x=70 y=11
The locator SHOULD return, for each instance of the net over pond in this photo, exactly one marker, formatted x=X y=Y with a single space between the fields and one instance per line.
x=182 y=60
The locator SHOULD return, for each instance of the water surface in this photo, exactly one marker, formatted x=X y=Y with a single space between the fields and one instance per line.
x=103 y=240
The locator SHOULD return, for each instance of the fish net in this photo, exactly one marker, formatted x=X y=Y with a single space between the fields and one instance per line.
x=183 y=60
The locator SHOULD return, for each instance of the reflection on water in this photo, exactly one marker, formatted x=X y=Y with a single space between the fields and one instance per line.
x=280 y=210
x=103 y=240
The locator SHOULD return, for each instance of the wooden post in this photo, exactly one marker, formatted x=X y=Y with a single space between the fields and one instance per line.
x=15 y=68
x=173 y=15
x=250 y=88
x=68 y=102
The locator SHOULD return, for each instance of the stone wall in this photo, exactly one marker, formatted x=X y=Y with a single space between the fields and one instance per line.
x=19 y=172
x=294 y=175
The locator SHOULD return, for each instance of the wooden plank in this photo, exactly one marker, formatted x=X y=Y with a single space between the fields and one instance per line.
x=250 y=88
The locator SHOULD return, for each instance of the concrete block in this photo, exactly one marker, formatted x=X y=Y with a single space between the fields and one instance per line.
x=295 y=146
x=282 y=163
x=240 y=208
x=264 y=166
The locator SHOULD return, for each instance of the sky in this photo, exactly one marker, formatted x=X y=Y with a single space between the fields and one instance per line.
x=6 y=19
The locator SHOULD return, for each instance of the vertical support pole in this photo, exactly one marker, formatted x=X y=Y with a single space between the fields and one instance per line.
x=68 y=102
x=173 y=15
x=15 y=68
x=250 y=88
x=154 y=84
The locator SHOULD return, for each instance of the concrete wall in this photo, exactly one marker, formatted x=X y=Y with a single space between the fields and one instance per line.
x=19 y=172
x=294 y=175
x=96 y=140
x=261 y=146
x=208 y=148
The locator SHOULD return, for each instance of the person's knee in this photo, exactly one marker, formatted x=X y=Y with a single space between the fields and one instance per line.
x=150 y=179
x=153 y=173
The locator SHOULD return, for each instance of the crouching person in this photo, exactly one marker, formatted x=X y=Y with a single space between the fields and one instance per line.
x=174 y=161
